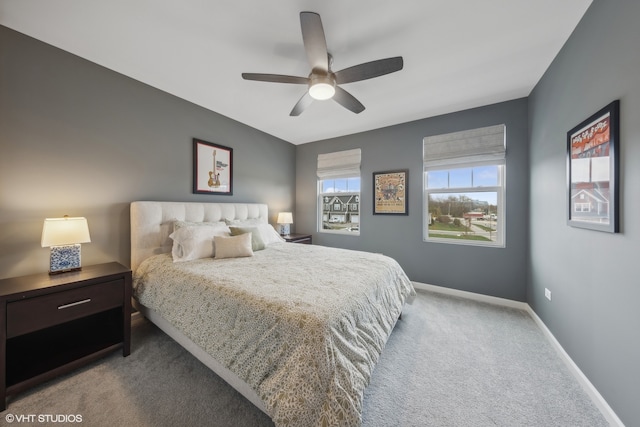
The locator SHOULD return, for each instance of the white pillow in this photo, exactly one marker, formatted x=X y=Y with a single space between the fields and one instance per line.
x=269 y=234
x=195 y=242
x=244 y=222
x=177 y=224
x=233 y=247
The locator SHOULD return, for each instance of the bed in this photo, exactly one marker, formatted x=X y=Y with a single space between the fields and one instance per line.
x=296 y=329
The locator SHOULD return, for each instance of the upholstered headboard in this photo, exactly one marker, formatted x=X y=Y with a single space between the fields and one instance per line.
x=152 y=222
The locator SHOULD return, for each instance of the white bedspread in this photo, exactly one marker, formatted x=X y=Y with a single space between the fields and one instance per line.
x=303 y=325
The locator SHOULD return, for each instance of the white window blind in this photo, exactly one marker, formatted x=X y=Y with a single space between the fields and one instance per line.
x=485 y=144
x=340 y=164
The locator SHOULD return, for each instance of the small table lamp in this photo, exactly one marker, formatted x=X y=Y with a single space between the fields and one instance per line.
x=64 y=236
x=284 y=219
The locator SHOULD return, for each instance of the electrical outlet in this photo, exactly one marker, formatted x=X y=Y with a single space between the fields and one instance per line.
x=547 y=293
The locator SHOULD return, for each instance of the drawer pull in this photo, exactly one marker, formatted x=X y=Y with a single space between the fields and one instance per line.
x=84 y=301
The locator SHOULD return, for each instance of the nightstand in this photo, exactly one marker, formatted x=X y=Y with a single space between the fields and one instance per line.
x=298 y=238
x=52 y=324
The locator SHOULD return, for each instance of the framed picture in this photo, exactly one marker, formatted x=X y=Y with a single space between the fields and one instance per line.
x=593 y=171
x=391 y=192
x=212 y=168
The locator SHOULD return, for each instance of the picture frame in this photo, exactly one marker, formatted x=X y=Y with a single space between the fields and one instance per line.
x=391 y=192
x=212 y=168
x=593 y=171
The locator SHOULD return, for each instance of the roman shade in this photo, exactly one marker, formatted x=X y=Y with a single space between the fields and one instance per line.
x=481 y=145
x=339 y=164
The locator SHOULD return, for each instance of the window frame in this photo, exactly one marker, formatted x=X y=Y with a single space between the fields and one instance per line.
x=500 y=190
x=321 y=204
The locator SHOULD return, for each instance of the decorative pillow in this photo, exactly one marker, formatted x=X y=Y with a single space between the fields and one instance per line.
x=257 y=243
x=233 y=246
x=195 y=242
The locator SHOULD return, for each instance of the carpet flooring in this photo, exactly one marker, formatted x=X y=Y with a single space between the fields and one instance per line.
x=449 y=362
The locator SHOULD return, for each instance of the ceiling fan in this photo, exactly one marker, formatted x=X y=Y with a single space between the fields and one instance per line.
x=322 y=81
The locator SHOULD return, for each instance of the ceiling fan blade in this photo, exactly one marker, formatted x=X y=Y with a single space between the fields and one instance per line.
x=347 y=100
x=315 y=43
x=302 y=104
x=275 y=78
x=369 y=70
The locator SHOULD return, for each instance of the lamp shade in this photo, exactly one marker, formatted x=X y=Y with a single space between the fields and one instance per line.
x=285 y=218
x=65 y=231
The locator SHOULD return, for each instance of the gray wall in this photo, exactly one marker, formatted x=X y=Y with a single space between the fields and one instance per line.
x=593 y=276
x=79 y=139
x=499 y=272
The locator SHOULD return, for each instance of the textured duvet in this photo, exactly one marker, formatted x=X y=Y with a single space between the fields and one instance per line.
x=302 y=325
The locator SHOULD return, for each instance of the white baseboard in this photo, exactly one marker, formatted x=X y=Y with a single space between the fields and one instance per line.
x=582 y=379
x=471 y=295
x=589 y=388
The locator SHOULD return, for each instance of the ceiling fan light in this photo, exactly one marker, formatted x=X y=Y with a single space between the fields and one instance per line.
x=322 y=91
x=322 y=87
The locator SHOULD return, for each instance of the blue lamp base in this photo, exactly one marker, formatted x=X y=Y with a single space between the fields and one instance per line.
x=65 y=258
x=285 y=229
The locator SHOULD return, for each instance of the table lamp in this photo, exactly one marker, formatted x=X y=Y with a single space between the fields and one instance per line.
x=64 y=236
x=285 y=219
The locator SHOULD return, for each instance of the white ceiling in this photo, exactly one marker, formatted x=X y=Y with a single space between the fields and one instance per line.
x=458 y=54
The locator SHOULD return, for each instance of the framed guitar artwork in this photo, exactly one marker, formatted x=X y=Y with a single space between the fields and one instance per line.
x=212 y=168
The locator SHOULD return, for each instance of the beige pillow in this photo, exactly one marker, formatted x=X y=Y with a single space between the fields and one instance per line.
x=233 y=247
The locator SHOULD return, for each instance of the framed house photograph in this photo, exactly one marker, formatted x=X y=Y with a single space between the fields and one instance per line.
x=593 y=171
x=391 y=192
x=212 y=168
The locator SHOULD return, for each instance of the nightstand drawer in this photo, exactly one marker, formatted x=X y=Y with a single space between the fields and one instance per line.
x=44 y=311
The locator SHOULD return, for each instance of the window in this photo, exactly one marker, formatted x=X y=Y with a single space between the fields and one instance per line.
x=583 y=207
x=339 y=192
x=464 y=187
